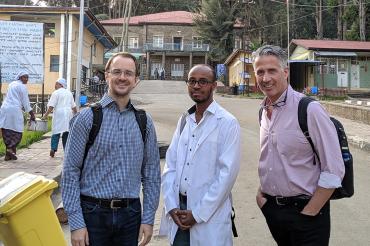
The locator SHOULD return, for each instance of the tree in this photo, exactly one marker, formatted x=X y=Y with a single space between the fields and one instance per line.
x=215 y=24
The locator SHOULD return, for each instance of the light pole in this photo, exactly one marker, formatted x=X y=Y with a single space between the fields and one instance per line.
x=79 y=53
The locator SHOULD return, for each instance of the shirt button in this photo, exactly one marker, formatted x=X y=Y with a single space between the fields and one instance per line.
x=120 y=129
x=120 y=146
x=185 y=192
x=193 y=135
x=187 y=163
x=190 y=149
x=270 y=169
x=186 y=179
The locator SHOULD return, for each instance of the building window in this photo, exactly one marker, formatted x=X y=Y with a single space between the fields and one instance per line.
x=54 y=63
x=158 y=41
x=133 y=42
x=49 y=29
x=177 y=70
x=197 y=42
x=84 y=74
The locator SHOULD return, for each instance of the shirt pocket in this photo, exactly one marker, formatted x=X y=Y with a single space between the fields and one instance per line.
x=292 y=144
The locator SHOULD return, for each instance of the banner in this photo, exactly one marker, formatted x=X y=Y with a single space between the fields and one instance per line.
x=22 y=48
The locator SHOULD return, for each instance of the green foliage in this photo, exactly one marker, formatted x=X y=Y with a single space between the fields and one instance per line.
x=28 y=138
x=215 y=24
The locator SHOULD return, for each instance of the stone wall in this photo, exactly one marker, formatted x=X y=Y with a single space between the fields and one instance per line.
x=352 y=112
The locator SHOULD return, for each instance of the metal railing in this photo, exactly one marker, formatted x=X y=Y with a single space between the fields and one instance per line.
x=176 y=47
x=94 y=90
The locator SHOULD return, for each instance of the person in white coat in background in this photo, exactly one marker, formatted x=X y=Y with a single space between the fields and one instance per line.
x=63 y=106
x=11 y=114
x=202 y=163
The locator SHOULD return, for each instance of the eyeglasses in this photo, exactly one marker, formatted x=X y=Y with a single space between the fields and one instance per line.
x=201 y=82
x=278 y=104
x=118 y=73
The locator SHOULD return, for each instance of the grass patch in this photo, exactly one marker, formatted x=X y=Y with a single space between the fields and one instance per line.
x=333 y=98
x=28 y=138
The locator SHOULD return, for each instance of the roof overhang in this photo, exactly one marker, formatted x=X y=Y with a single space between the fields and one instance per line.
x=307 y=62
x=90 y=21
x=335 y=53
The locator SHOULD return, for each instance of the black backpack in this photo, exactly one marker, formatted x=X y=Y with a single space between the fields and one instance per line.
x=96 y=108
x=347 y=188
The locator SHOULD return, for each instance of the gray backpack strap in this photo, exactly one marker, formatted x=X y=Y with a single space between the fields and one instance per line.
x=183 y=121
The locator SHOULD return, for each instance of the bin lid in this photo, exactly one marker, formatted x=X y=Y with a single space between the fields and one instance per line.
x=20 y=188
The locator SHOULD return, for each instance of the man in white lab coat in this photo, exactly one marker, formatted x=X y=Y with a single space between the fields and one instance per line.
x=202 y=164
x=11 y=114
x=62 y=104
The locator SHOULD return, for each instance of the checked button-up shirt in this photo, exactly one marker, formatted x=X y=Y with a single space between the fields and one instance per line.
x=116 y=165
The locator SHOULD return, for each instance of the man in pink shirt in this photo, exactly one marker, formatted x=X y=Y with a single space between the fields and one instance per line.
x=295 y=187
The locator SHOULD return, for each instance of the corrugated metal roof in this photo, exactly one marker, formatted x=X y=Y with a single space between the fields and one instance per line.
x=332 y=44
x=173 y=17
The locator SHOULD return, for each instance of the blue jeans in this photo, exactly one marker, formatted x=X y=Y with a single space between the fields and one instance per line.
x=118 y=226
x=55 y=140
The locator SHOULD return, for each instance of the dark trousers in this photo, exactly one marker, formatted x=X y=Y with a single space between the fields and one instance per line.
x=291 y=228
x=117 y=226
x=55 y=140
x=182 y=238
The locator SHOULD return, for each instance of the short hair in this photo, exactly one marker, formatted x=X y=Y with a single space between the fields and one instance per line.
x=123 y=54
x=271 y=50
x=210 y=67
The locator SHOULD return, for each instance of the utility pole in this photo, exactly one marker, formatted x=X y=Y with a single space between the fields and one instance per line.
x=79 y=53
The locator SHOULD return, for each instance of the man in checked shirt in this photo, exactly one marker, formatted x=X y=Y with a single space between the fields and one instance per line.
x=295 y=188
x=102 y=200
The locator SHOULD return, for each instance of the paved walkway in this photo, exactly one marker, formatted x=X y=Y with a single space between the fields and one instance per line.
x=35 y=160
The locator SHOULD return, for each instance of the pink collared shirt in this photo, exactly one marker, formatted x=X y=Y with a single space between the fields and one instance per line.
x=286 y=162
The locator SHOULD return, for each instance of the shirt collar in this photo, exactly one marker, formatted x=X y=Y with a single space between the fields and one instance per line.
x=108 y=100
x=211 y=108
x=281 y=98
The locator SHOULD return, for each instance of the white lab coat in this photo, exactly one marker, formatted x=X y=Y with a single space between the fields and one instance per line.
x=62 y=102
x=11 y=112
x=217 y=160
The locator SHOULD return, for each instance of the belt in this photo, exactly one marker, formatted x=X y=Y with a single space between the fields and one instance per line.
x=183 y=199
x=287 y=200
x=110 y=203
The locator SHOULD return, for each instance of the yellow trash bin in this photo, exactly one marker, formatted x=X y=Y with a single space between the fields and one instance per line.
x=27 y=214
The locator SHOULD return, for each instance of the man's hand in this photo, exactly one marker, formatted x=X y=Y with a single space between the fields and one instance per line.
x=186 y=217
x=145 y=234
x=175 y=216
x=80 y=237
x=261 y=200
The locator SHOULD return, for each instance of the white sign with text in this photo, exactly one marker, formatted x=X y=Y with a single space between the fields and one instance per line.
x=22 y=49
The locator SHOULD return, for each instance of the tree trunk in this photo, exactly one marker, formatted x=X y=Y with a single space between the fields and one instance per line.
x=319 y=27
x=339 y=20
x=362 y=19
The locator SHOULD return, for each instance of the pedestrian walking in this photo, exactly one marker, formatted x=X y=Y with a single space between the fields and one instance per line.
x=295 y=186
x=202 y=164
x=62 y=105
x=11 y=114
x=101 y=192
x=156 y=73
x=162 y=73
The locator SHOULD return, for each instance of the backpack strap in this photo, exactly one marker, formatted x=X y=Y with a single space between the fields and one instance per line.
x=141 y=120
x=95 y=128
x=302 y=120
x=260 y=115
x=183 y=121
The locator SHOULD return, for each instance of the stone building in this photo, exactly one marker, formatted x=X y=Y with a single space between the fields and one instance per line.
x=163 y=40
